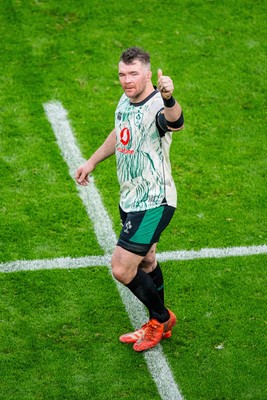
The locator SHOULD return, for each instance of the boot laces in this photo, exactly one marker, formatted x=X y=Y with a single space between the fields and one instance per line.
x=151 y=330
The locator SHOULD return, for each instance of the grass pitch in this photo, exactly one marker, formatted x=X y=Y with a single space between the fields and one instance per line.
x=59 y=329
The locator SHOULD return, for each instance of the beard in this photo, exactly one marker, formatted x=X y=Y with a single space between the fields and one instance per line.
x=133 y=93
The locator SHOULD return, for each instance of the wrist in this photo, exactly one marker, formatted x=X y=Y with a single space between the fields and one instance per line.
x=169 y=102
x=90 y=164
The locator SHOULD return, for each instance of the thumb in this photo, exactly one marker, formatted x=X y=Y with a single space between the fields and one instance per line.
x=80 y=175
x=159 y=73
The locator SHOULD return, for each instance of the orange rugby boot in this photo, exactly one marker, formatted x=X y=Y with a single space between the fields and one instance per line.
x=153 y=333
x=132 y=337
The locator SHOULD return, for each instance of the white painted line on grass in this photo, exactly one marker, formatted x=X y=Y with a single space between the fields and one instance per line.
x=98 y=261
x=55 y=263
x=212 y=253
x=106 y=237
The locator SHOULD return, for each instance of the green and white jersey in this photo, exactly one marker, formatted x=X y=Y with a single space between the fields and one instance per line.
x=143 y=163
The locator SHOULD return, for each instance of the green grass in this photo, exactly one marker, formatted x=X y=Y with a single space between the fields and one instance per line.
x=220 y=303
x=56 y=339
x=54 y=344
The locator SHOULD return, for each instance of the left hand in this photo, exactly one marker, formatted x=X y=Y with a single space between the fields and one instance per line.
x=165 y=85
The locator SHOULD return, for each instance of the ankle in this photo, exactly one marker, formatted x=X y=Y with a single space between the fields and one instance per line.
x=164 y=317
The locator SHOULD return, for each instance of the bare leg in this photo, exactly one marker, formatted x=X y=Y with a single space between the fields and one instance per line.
x=125 y=265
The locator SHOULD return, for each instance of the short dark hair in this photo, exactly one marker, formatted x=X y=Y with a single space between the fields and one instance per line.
x=135 y=53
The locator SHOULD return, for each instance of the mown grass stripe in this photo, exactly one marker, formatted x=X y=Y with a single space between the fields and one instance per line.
x=106 y=237
x=93 y=261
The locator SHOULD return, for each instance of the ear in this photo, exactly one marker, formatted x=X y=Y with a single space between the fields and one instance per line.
x=149 y=75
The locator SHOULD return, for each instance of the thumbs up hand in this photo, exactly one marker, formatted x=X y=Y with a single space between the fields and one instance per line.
x=165 y=85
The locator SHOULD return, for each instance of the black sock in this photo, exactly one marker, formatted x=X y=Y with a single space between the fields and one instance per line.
x=157 y=277
x=142 y=286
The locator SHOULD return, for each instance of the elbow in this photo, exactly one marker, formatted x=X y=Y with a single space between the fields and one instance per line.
x=176 y=129
x=176 y=125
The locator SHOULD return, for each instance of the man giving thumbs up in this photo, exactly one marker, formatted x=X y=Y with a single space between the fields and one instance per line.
x=145 y=119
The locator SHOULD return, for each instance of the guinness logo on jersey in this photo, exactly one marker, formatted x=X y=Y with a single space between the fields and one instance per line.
x=125 y=136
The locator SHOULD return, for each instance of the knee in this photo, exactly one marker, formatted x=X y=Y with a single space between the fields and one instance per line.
x=124 y=265
x=119 y=273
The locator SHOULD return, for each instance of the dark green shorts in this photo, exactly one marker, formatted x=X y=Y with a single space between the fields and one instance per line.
x=142 y=229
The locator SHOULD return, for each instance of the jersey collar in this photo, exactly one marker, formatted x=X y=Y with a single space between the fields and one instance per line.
x=152 y=94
